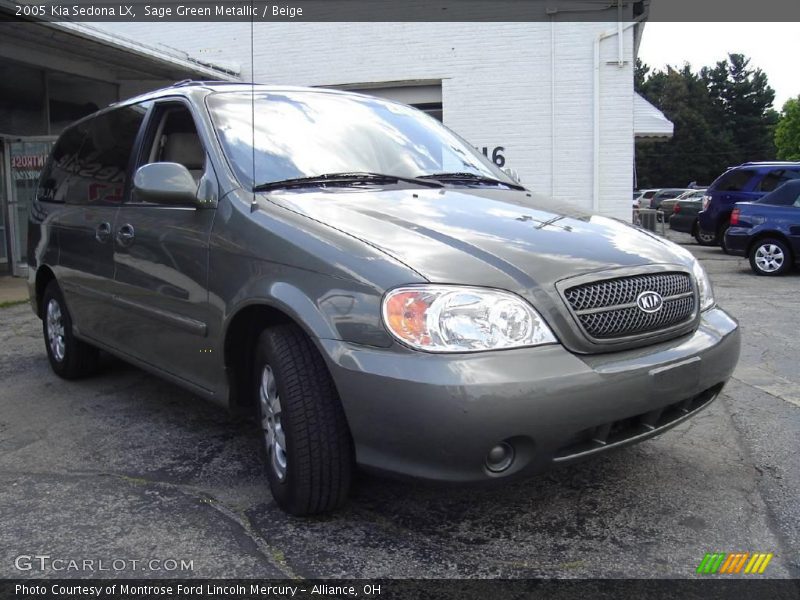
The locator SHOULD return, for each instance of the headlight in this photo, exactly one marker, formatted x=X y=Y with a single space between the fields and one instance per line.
x=703 y=286
x=440 y=318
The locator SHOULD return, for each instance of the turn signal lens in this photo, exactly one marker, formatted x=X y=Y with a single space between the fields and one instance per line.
x=462 y=319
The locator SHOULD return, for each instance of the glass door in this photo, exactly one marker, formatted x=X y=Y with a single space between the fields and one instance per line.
x=24 y=160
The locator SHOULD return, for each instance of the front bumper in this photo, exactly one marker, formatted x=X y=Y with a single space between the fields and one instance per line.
x=436 y=416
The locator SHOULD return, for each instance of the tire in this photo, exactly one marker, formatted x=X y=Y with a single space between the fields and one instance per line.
x=305 y=438
x=721 y=235
x=70 y=358
x=770 y=256
x=703 y=237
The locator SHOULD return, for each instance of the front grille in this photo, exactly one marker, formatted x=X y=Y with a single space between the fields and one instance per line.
x=608 y=435
x=608 y=309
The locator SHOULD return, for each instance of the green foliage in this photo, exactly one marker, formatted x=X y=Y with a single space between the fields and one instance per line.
x=787 y=131
x=723 y=116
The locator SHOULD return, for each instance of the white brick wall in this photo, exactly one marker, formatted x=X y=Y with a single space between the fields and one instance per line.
x=496 y=85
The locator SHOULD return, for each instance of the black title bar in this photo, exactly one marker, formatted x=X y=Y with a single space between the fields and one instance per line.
x=707 y=588
x=401 y=10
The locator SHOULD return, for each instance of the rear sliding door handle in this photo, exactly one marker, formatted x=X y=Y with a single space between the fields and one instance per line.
x=125 y=235
x=102 y=233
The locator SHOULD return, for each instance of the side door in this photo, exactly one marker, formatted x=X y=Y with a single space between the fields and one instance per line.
x=793 y=227
x=91 y=167
x=161 y=255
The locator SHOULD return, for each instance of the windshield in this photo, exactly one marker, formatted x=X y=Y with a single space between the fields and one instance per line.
x=307 y=134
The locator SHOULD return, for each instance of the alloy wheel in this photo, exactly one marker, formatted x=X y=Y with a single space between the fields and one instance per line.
x=55 y=330
x=271 y=424
x=769 y=258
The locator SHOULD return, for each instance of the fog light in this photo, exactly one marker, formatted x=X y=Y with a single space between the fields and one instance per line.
x=500 y=457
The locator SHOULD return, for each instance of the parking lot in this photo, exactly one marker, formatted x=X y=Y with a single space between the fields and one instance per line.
x=125 y=466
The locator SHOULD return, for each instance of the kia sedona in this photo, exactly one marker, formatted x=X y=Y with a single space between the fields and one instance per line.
x=366 y=285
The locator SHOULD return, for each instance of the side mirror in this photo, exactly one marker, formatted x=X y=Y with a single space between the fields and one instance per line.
x=512 y=173
x=165 y=183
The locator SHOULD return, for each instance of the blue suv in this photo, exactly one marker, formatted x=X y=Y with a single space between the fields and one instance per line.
x=745 y=183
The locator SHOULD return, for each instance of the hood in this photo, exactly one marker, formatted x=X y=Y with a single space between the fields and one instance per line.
x=494 y=238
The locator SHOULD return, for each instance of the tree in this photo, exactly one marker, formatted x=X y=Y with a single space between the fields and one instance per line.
x=787 y=131
x=743 y=101
x=723 y=116
x=699 y=150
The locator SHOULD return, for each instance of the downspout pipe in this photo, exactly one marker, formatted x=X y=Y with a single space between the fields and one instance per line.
x=621 y=28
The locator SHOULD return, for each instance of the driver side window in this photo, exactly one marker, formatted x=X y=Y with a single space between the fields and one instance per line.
x=175 y=139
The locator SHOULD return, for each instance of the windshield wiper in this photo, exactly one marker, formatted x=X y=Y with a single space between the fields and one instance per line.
x=341 y=179
x=469 y=178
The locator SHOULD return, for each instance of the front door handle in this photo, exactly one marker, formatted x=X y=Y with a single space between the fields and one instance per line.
x=125 y=235
x=102 y=232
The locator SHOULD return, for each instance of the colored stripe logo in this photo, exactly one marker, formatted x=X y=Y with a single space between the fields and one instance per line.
x=717 y=563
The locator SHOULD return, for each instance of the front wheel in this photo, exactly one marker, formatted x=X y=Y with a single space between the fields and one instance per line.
x=69 y=357
x=770 y=257
x=306 y=440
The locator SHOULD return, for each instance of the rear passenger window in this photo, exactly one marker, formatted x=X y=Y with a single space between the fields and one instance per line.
x=104 y=157
x=776 y=178
x=734 y=181
x=53 y=182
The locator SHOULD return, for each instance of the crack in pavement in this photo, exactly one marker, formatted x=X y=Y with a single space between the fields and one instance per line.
x=272 y=556
x=772 y=520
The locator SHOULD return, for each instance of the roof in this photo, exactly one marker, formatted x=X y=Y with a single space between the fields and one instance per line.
x=648 y=121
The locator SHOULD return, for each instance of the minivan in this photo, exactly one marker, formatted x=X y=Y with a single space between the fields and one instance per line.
x=745 y=183
x=366 y=285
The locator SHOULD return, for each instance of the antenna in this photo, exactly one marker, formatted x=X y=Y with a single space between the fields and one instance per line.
x=253 y=203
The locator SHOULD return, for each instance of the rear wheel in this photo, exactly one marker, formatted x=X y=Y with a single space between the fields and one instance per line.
x=703 y=237
x=306 y=440
x=770 y=257
x=69 y=357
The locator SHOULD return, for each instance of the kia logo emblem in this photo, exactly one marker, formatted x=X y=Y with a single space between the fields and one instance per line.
x=649 y=302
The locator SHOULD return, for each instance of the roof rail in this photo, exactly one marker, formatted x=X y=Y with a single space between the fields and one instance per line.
x=188 y=82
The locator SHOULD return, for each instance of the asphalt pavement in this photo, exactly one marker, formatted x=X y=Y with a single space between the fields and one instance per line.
x=125 y=467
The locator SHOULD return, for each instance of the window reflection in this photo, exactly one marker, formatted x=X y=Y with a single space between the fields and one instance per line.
x=310 y=133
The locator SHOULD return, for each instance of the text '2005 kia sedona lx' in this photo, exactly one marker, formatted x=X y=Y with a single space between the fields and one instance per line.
x=368 y=285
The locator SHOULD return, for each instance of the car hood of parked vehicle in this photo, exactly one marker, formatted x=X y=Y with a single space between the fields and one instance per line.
x=483 y=236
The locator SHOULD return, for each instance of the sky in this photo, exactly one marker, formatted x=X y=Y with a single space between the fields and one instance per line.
x=772 y=47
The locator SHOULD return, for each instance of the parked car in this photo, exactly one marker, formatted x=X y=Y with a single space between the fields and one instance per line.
x=367 y=285
x=668 y=205
x=767 y=231
x=665 y=194
x=645 y=196
x=684 y=218
x=745 y=183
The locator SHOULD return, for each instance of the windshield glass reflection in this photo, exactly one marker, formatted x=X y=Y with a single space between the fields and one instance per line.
x=311 y=133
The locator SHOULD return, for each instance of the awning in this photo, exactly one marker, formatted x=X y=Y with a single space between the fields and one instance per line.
x=86 y=50
x=648 y=121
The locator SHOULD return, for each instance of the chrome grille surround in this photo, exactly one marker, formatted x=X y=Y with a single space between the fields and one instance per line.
x=607 y=309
